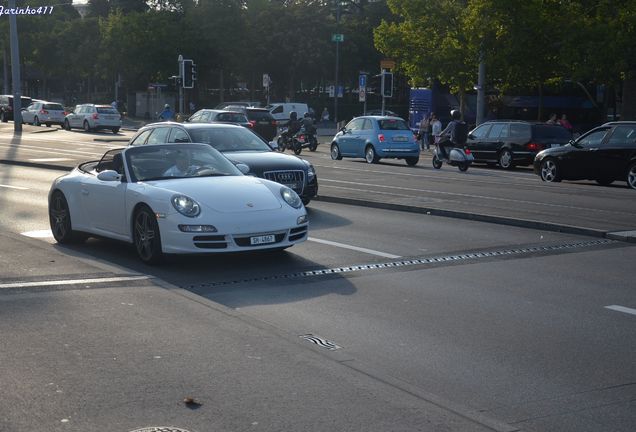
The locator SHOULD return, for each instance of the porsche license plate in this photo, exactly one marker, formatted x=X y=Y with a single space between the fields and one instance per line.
x=265 y=239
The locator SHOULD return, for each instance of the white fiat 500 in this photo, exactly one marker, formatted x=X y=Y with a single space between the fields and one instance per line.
x=174 y=199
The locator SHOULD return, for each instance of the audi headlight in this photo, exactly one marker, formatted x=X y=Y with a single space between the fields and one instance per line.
x=311 y=172
x=186 y=205
x=291 y=197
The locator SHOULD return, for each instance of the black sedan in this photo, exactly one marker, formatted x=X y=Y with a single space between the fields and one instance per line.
x=605 y=154
x=240 y=145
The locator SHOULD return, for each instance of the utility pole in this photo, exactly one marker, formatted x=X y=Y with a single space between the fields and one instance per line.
x=15 y=71
x=181 y=75
x=337 y=41
x=481 y=89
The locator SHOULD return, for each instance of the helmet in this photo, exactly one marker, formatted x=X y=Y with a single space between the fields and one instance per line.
x=166 y=106
x=293 y=115
x=455 y=114
x=306 y=114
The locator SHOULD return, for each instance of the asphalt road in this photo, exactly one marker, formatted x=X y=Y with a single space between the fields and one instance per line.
x=437 y=323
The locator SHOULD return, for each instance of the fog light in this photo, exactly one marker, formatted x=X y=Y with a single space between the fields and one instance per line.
x=197 y=228
x=301 y=219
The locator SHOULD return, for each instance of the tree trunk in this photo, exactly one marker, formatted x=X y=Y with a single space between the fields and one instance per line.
x=540 y=104
x=629 y=97
x=221 y=87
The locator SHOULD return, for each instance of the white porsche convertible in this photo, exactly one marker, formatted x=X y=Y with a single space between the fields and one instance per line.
x=173 y=199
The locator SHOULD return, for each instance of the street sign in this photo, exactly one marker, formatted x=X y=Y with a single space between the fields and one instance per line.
x=387 y=64
x=362 y=80
x=337 y=37
x=362 y=94
x=340 y=91
x=332 y=91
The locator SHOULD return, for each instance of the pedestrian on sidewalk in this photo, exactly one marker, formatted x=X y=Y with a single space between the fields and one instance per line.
x=436 y=129
x=324 y=117
x=167 y=114
x=425 y=130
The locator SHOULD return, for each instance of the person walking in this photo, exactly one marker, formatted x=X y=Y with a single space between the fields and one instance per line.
x=553 y=119
x=425 y=128
x=436 y=128
x=167 y=114
x=324 y=117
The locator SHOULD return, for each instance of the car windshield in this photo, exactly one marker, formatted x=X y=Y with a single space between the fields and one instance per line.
x=161 y=162
x=230 y=139
x=393 y=124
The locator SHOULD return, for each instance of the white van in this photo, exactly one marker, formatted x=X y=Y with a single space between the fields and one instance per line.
x=280 y=111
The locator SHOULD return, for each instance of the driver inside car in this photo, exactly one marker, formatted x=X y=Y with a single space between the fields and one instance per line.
x=182 y=166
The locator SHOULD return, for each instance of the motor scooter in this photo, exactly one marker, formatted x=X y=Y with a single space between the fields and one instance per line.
x=457 y=156
x=307 y=138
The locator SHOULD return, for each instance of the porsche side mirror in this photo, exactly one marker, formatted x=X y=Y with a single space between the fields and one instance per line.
x=243 y=168
x=109 y=176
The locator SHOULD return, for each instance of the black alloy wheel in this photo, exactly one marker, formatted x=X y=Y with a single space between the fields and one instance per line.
x=146 y=236
x=335 y=152
x=115 y=130
x=60 y=220
x=505 y=159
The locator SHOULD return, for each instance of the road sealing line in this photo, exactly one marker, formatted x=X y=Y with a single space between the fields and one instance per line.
x=623 y=309
x=73 y=282
x=355 y=248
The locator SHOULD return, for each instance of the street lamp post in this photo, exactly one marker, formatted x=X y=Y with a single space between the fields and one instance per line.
x=335 y=94
x=15 y=70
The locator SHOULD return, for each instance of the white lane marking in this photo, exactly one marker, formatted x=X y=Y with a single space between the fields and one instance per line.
x=623 y=309
x=46 y=233
x=355 y=248
x=50 y=160
x=463 y=195
x=73 y=281
x=13 y=187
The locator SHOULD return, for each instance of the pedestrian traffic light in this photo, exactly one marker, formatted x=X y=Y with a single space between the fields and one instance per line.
x=186 y=74
x=387 y=84
x=194 y=73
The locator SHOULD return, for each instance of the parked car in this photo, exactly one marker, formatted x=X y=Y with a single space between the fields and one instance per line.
x=211 y=207
x=514 y=142
x=92 y=117
x=43 y=112
x=6 y=106
x=219 y=116
x=374 y=138
x=263 y=123
x=280 y=111
x=605 y=154
x=240 y=145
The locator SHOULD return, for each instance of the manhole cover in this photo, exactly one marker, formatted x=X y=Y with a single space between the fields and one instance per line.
x=160 y=429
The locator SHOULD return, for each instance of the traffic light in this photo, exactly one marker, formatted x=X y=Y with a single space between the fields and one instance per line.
x=188 y=73
x=387 y=84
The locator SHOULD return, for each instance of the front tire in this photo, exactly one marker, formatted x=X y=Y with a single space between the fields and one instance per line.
x=298 y=148
x=335 y=152
x=463 y=167
x=506 y=159
x=437 y=164
x=370 y=155
x=87 y=127
x=60 y=220
x=146 y=236
x=550 y=171
x=281 y=144
x=631 y=176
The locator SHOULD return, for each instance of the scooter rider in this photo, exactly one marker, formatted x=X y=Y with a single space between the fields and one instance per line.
x=293 y=125
x=455 y=135
x=308 y=124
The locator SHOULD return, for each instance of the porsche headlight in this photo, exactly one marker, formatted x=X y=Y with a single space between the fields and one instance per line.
x=186 y=205
x=291 y=197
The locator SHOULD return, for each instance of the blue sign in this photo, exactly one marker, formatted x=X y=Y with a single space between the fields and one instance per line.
x=362 y=81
